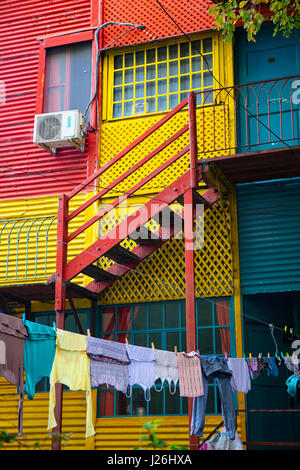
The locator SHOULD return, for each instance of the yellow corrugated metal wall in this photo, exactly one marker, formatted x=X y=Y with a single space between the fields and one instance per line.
x=35 y=418
x=15 y=250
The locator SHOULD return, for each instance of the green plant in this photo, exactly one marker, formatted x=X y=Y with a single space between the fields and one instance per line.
x=285 y=16
x=9 y=438
x=151 y=441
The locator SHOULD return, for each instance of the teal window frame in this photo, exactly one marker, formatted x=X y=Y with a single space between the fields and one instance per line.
x=181 y=346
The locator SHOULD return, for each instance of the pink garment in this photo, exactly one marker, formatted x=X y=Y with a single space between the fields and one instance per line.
x=189 y=375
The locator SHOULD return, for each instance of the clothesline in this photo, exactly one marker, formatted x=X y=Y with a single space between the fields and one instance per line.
x=161 y=281
x=82 y=362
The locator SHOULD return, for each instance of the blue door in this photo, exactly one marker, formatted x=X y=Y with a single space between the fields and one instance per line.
x=268 y=109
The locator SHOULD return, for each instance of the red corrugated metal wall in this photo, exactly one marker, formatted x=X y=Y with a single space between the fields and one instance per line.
x=190 y=15
x=26 y=170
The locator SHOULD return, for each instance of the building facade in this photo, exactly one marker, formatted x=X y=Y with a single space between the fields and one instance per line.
x=129 y=82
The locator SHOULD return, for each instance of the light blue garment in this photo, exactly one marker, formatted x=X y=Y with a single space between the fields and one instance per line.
x=218 y=368
x=291 y=384
x=39 y=351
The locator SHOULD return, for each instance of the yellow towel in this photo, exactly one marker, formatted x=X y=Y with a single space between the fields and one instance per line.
x=71 y=367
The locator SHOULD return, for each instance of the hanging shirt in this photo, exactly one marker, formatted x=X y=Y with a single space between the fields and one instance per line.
x=39 y=352
x=109 y=363
x=166 y=369
x=240 y=379
x=71 y=367
x=189 y=375
x=141 y=370
x=12 y=337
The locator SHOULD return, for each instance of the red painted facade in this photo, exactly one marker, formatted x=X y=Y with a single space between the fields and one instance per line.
x=26 y=170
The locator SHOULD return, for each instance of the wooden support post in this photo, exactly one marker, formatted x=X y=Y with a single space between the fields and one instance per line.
x=80 y=329
x=60 y=304
x=190 y=292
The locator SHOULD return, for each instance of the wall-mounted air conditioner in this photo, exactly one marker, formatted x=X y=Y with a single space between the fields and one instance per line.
x=60 y=129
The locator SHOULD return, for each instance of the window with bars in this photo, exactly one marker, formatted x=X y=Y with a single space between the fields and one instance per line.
x=156 y=79
x=163 y=323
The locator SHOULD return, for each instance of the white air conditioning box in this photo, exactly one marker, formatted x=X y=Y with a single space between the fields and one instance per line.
x=60 y=129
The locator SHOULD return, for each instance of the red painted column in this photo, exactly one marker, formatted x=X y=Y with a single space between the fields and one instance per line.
x=189 y=249
x=190 y=292
x=60 y=302
x=193 y=139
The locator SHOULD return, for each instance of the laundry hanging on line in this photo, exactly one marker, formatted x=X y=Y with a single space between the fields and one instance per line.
x=121 y=366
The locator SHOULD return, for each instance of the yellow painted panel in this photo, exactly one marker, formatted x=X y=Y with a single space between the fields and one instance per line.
x=116 y=135
x=28 y=239
x=124 y=433
x=161 y=276
x=35 y=418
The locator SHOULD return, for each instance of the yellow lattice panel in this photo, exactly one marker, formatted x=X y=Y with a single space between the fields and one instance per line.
x=214 y=135
x=162 y=275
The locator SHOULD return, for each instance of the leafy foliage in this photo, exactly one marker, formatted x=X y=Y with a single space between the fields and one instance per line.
x=8 y=438
x=285 y=16
x=151 y=441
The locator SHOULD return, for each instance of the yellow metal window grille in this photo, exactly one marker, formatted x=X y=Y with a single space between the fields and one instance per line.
x=156 y=79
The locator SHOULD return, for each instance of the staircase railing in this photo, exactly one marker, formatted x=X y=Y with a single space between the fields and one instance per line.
x=64 y=217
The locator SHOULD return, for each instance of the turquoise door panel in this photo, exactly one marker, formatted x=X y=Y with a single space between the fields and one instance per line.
x=268 y=114
x=269 y=236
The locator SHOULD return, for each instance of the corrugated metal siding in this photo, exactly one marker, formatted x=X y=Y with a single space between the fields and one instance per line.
x=25 y=169
x=269 y=236
x=124 y=433
x=35 y=418
x=190 y=15
x=17 y=251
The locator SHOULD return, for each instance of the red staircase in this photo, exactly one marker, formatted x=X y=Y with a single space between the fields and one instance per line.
x=183 y=190
x=157 y=208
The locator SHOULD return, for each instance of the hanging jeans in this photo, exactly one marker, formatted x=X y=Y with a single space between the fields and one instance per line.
x=217 y=368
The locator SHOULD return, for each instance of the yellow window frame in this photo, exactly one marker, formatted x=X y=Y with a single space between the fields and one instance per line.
x=108 y=73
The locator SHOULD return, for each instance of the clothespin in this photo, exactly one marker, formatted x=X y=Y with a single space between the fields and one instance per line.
x=288 y=355
x=226 y=357
x=88 y=332
x=54 y=326
x=250 y=356
x=175 y=349
x=268 y=355
x=259 y=355
x=23 y=317
x=152 y=346
x=126 y=341
x=244 y=355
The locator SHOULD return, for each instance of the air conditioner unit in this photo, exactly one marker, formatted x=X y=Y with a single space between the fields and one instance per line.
x=60 y=129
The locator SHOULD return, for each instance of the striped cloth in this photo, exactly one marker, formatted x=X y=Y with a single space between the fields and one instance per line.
x=189 y=375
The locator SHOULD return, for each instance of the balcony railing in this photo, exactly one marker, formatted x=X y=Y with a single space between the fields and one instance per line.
x=27 y=248
x=255 y=116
